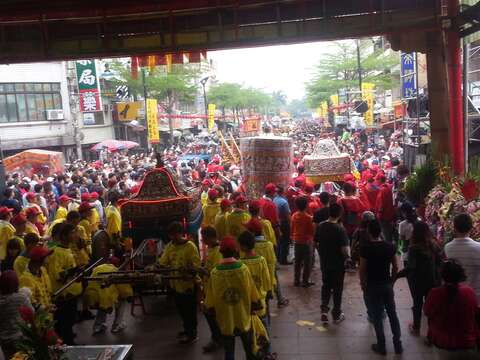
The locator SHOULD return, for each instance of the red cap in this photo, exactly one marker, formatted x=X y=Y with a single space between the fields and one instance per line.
x=240 y=200
x=225 y=203
x=254 y=205
x=212 y=194
x=270 y=188
x=19 y=219
x=84 y=206
x=254 y=226
x=4 y=211
x=64 y=198
x=38 y=253
x=32 y=211
x=30 y=196
x=85 y=197
x=228 y=243
x=94 y=195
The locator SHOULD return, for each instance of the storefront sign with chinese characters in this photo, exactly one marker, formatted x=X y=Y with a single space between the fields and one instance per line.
x=88 y=86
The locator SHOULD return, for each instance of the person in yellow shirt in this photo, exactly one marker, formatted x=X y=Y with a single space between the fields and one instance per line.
x=221 y=218
x=211 y=209
x=61 y=267
x=113 y=217
x=213 y=258
x=7 y=230
x=232 y=297
x=181 y=254
x=62 y=210
x=21 y=262
x=206 y=183
x=106 y=299
x=237 y=219
x=36 y=278
x=32 y=214
x=267 y=230
x=33 y=200
x=86 y=210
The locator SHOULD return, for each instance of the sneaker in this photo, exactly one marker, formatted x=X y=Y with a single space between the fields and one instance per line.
x=118 y=328
x=398 y=348
x=187 y=340
x=339 y=319
x=308 y=284
x=324 y=318
x=99 y=329
x=413 y=331
x=212 y=346
x=379 y=350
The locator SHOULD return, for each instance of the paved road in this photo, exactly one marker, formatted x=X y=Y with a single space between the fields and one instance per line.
x=296 y=330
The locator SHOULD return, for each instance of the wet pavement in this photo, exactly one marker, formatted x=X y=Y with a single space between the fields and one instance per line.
x=296 y=331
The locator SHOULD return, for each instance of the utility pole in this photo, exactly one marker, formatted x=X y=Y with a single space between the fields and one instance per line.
x=359 y=67
x=204 y=82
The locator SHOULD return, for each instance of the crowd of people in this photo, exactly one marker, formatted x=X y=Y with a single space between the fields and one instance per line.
x=52 y=228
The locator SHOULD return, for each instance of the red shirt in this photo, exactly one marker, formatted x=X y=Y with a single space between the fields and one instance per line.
x=384 y=207
x=353 y=205
x=369 y=196
x=302 y=228
x=269 y=210
x=452 y=326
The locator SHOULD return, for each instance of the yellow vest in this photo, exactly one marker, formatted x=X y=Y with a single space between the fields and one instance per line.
x=209 y=212
x=106 y=298
x=236 y=221
x=31 y=229
x=221 y=225
x=94 y=221
x=20 y=264
x=61 y=213
x=214 y=256
x=264 y=248
x=39 y=286
x=261 y=277
x=231 y=292
x=204 y=198
x=59 y=261
x=7 y=231
x=181 y=256
x=268 y=232
x=114 y=221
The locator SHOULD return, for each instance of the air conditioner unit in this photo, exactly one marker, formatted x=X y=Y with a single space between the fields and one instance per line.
x=53 y=115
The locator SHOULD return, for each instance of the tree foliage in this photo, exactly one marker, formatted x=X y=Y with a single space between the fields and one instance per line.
x=339 y=70
x=298 y=108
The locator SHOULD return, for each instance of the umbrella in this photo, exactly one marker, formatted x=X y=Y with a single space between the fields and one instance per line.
x=114 y=145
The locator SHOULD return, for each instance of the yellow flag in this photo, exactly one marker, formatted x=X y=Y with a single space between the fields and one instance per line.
x=152 y=121
x=211 y=116
x=368 y=93
x=334 y=100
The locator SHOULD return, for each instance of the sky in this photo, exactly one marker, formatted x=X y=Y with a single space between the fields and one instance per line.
x=280 y=67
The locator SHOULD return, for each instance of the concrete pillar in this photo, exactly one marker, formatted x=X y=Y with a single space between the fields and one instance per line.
x=438 y=95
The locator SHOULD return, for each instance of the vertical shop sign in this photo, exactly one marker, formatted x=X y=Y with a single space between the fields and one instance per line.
x=152 y=121
x=88 y=86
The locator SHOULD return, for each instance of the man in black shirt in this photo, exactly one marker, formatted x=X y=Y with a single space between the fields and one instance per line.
x=376 y=259
x=322 y=214
x=332 y=243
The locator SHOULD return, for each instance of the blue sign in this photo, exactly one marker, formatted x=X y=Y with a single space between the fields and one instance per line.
x=407 y=75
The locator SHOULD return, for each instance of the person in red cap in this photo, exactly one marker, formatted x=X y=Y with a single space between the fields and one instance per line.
x=62 y=211
x=33 y=225
x=254 y=208
x=7 y=230
x=211 y=209
x=221 y=218
x=231 y=296
x=369 y=194
x=21 y=262
x=35 y=277
x=269 y=209
x=19 y=221
x=97 y=211
x=33 y=200
x=113 y=217
x=353 y=208
x=179 y=254
x=385 y=209
x=206 y=184
x=237 y=219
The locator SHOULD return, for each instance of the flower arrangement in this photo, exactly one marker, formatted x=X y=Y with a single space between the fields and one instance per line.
x=39 y=340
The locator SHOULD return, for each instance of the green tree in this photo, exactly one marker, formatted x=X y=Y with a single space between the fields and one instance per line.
x=297 y=108
x=279 y=101
x=339 y=70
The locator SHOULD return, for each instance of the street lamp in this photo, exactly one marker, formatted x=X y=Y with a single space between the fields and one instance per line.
x=204 y=82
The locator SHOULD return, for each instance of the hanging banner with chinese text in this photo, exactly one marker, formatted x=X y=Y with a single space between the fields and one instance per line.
x=368 y=96
x=152 y=121
x=88 y=86
x=407 y=75
x=211 y=116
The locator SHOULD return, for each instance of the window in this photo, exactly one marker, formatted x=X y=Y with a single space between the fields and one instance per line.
x=28 y=101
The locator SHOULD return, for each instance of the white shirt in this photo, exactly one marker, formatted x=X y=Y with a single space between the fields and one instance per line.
x=467 y=252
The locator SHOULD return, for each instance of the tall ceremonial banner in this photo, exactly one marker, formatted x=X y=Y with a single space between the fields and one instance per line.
x=211 y=116
x=266 y=160
x=367 y=96
x=152 y=121
x=88 y=86
x=408 y=75
x=334 y=100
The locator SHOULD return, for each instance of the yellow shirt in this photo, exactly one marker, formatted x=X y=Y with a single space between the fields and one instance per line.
x=236 y=221
x=81 y=254
x=231 y=292
x=114 y=221
x=214 y=256
x=261 y=277
x=59 y=261
x=181 y=256
x=105 y=298
x=210 y=211
x=264 y=248
x=204 y=198
x=221 y=224
x=20 y=264
x=94 y=221
x=268 y=232
x=31 y=229
x=39 y=285
x=52 y=225
x=61 y=213
x=7 y=231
